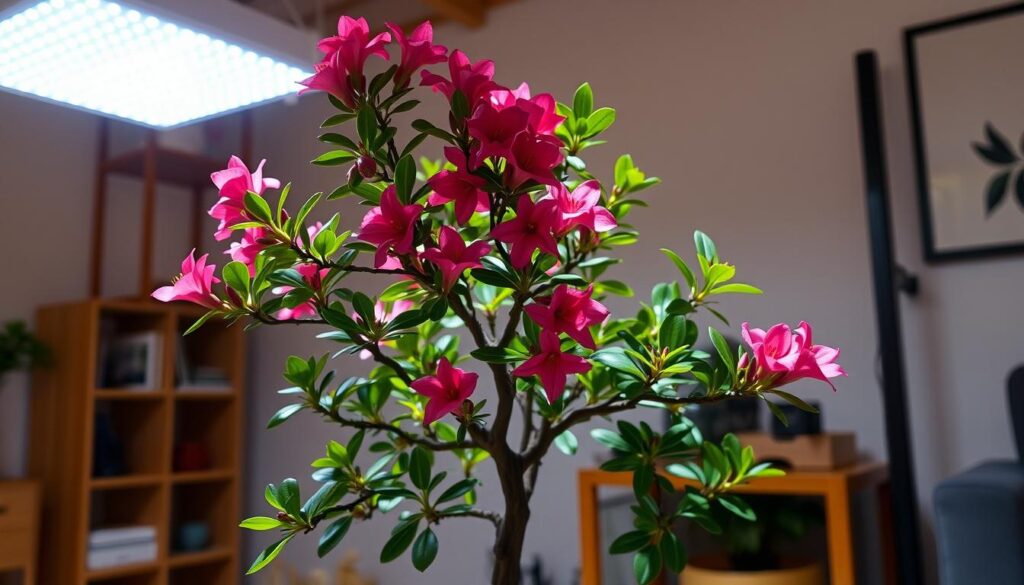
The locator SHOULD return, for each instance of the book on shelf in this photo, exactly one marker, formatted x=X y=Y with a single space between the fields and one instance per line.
x=131 y=361
x=117 y=556
x=107 y=537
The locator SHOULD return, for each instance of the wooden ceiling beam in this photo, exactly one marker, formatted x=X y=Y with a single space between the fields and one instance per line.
x=471 y=13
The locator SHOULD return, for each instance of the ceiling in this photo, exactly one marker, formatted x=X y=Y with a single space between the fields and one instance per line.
x=323 y=14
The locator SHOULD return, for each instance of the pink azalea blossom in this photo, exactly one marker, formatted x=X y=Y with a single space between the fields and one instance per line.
x=530 y=230
x=384 y=313
x=552 y=366
x=533 y=157
x=782 y=356
x=418 y=50
x=579 y=208
x=331 y=77
x=504 y=97
x=194 y=284
x=314 y=278
x=460 y=186
x=474 y=80
x=570 y=311
x=390 y=226
x=353 y=46
x=496 y=129
x=233 y=183
x=542 y=114
x=246 y=250
x=454 y=257
x=446 y=390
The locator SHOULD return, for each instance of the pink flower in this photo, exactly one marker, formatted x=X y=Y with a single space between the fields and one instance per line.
x=530 y=230
x=570 y=311
x=552 y=366
x=194 y=284
x=460 y=186
x=233 y=183
x=314 y=278
x=782 y=355
x=390 y=226
x=330 y=76
x=533 y=157
x=418 y=50
x=474 y=80
x=454 y=257
x=496 y=129
x=246 y=250
x=446 y=390
x=541 y=110
x=580 y=208
x=353 y=45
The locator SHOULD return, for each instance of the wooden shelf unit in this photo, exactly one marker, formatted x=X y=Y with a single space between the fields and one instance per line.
x=148 y=424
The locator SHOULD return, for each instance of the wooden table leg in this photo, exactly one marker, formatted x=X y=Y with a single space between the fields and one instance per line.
x=840 y=539
x=590 y=538
x=885 y=532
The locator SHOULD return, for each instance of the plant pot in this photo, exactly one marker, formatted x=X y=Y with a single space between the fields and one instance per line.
x=715 y=570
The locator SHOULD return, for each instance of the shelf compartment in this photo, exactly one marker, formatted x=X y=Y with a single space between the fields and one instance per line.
x=134 y=574
x=209 y=476
x=175 y=167
x=211 y=572
x=128 y=438
x=132 y=349
x=208 y=503
x=203 y=557
x=205 y=360
x=120 y=482
x=125 y=394
x=211 y=425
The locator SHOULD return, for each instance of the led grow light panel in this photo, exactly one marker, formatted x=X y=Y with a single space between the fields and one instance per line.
x=118 y=60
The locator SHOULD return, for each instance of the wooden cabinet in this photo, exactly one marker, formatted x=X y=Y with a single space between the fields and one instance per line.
x=76 y=410
x=19 y=528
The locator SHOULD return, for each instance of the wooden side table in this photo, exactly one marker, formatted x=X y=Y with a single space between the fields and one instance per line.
x=836 y=488
x=19 y=528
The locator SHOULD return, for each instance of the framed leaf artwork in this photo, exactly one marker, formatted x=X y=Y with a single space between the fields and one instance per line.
x=967 y=111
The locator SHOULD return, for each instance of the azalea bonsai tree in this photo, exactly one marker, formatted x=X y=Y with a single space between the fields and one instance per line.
x=508 y=240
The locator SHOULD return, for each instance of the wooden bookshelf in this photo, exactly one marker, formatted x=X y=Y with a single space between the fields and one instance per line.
x=66 y=403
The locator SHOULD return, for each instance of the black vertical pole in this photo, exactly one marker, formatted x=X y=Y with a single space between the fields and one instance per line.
x=894 y=393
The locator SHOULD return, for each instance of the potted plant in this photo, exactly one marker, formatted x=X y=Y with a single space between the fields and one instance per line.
x=752 y=552
x=19 y=349
x=508 y=241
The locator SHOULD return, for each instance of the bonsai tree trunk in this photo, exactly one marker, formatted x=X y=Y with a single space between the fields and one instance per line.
x=508 y=548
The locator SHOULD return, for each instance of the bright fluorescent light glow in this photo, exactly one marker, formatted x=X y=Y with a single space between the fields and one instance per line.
x=116 y=60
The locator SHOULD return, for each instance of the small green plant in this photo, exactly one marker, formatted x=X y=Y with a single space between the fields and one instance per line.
x=19 y=349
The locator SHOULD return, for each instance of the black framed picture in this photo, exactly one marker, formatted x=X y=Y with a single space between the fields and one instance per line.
x=967 y=110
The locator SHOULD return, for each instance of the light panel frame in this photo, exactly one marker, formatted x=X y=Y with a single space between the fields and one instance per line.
x=265 y=57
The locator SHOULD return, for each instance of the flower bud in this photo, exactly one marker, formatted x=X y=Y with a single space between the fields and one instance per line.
x=367 y=166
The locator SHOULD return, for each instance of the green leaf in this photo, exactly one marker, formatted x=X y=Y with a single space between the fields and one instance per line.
x=337 y=119
x=673 y=552
x=419 y=468
x=258 y=208
x=401 y=537
x=497 y=355
x=583 y=102
x=405 y=178
x=673 y=332
x=366 y=124
x=599 y=121
x=457 y=490
x=737 y=506
x=615 y=287
x=261 y=523
x=567 y=443
x=424 y=550
x=333 y=535
x=724 y=352
x=705 y=247
x=777 y=412
x=996 y=191
x=268 y=555
x=334 y=158
x=284 y=414
x=683 y=268
x=795 y=401
x=647 y=565
x=736 y=288
x=339 y=139
x=611 y=439
x=199 y=322
x=288 y=495
x=236 y=275
x=629 y=542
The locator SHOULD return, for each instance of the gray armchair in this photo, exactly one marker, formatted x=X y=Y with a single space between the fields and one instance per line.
x=979 y=514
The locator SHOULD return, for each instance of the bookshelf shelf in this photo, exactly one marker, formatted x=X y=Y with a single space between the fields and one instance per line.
x=114 y=458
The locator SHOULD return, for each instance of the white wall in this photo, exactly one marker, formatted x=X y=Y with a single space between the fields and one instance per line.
x=747 y=112
x=745 y=109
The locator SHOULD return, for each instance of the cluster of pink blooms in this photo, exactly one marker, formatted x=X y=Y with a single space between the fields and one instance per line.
x=511 y=132
x=782 y=355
